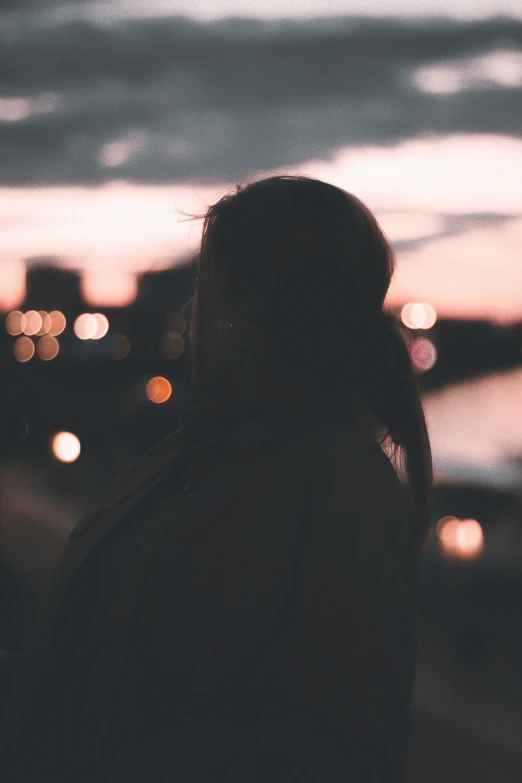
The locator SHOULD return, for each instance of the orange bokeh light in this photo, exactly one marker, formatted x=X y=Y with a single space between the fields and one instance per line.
x=66 y=447
x=46 y=323
x=158 y=389
x=461 y=538
x=23 y=349
x=33 y=322
x=58 y=323
x=15 y=323
x=442 y=522
x=48 y=348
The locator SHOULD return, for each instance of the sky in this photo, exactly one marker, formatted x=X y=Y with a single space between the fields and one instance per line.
x=417 y=114
x=209 y=10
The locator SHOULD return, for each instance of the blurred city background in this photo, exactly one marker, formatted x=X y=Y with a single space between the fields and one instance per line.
x=118 y=118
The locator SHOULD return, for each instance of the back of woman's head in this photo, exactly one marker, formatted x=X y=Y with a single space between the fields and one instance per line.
x=306 y=265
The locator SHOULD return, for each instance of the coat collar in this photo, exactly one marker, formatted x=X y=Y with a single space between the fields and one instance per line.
x=282 y=396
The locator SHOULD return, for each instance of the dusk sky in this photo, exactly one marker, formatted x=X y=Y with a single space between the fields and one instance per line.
x=115 y=115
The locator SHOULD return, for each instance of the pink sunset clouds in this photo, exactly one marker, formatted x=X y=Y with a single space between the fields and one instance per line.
x=474 y=271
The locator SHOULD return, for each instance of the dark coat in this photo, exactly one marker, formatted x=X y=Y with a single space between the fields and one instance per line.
x=239 y=606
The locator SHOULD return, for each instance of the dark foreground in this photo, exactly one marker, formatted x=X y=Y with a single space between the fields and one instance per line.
x=466 y=722
x=444 y=753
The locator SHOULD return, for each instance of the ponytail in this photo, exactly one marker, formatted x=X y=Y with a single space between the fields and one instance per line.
x=391 y=388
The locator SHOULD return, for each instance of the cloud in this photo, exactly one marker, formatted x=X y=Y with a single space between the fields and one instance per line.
x=474 y=273
x=17 y=5
x=214 y=102
x=80 y=51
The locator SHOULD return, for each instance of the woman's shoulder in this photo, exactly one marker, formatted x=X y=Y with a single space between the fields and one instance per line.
x=342 y=430
x=140 y=471
x=353 y=465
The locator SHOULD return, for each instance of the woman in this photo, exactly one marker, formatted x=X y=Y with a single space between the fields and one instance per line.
x=241 y=605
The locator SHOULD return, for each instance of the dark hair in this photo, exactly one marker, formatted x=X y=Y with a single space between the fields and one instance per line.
x=308 y=264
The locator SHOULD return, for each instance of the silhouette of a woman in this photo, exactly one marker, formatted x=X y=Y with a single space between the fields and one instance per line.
x=241 y=604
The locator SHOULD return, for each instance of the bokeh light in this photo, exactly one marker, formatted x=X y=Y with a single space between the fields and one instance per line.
x=58 y=323
x=122 y=346
x=23 y=349
x=46 y=323
x=33 y=322
x=172 y=345
x=423 y=354
x=66 y=447
x=47 y=348
x=442 y=522
x=102 y=326
x=158 y=389
x=462 y=539
x=15 y=322
x=418 y=315
x=175 y=323
x=85 y=326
